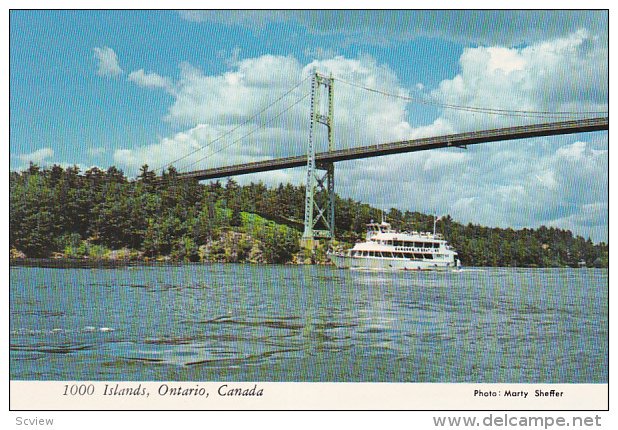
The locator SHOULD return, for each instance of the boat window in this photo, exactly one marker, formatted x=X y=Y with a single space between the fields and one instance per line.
x=418 y=256
x=428 y=256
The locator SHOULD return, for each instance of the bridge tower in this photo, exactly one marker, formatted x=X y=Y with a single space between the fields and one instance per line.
x=320 y=191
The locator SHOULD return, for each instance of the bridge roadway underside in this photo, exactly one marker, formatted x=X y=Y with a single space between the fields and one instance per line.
x=454 y=140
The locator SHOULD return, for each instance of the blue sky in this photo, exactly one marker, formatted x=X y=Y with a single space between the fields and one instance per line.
x=125 y=88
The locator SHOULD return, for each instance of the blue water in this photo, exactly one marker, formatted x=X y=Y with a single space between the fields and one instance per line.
x=307 y=323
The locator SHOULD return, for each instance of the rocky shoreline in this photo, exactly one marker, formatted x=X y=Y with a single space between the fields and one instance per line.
x=126 y=257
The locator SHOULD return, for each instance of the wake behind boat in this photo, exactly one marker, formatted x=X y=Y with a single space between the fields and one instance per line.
x=388 y=249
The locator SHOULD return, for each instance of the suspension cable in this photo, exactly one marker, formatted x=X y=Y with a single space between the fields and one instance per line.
x=491 y=111
x=223 y=135
x=249 y=133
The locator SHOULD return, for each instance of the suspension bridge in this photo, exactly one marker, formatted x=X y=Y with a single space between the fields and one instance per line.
x=319 y=213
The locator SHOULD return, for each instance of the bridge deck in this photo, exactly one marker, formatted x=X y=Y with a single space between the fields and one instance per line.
x=461 y=139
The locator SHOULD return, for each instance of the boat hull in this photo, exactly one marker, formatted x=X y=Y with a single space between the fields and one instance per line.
x=369 y=263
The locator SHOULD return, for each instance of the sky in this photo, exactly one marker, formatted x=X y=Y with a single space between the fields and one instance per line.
x=201 y=89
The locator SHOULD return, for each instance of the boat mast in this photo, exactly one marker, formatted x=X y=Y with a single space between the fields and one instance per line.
x=435 y=221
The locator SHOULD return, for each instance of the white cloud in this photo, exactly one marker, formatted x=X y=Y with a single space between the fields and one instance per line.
x=568 y=74
x=551 y=181
x=233 y=96
x=547 y=179
x=150 y=80
x=43 y=158
x=505 y=60
x=108 y=64
x=230 y=103
x=439 y=160
x=38 y=157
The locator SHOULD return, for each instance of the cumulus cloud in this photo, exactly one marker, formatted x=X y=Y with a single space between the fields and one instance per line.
x=108 y=64
x=43 y=157
x=195 y=148
x=235 y=95
x=553 y=181
x=563 y=75
x=38 y=157
x=224 y=112
x=150 y=80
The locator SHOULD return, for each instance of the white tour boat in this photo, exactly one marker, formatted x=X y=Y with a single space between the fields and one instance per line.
x=387 y=249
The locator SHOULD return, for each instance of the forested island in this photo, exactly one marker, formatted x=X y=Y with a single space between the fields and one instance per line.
x=104 y=216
